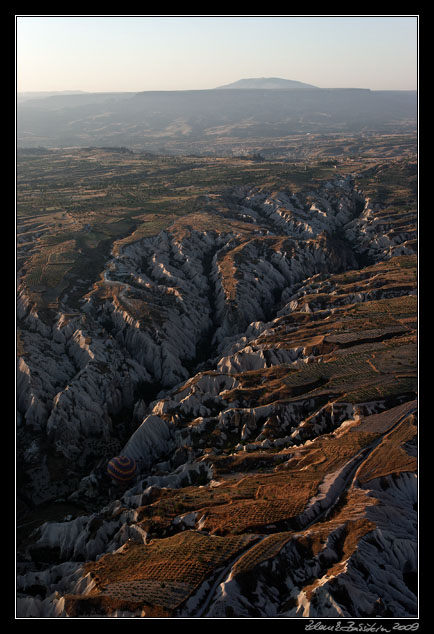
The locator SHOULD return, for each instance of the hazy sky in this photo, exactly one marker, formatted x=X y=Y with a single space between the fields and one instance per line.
x=134 y=53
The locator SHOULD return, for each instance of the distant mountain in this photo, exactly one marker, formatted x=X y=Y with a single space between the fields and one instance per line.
x=30 y=95
x=71 y=99
x=155 y=120
x=268 y=83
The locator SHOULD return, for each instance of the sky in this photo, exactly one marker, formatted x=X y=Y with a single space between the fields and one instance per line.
x=136 y=53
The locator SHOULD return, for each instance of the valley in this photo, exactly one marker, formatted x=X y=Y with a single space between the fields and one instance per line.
x=244 y=324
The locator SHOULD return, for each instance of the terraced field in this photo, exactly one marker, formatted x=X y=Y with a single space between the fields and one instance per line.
x=156 y=579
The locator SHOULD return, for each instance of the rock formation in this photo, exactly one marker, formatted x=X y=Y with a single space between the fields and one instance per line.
x=258 y=360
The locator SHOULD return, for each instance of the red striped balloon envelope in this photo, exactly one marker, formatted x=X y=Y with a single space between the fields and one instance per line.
x=122 y=468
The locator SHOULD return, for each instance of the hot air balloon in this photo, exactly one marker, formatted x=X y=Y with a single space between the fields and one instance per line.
x=122 y=469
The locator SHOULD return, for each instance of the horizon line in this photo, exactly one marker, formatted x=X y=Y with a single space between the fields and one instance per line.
x=136 y=91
